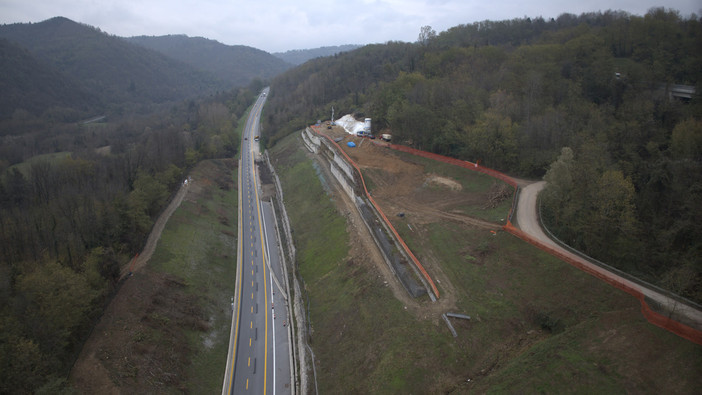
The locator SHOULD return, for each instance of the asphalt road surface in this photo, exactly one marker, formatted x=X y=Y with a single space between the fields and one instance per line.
x=259 y=357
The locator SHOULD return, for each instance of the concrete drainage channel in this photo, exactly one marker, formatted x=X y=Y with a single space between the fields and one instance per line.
x=397 y=263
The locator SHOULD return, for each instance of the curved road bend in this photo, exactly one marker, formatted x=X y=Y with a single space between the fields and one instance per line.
x=258 y=360
x=528 y=221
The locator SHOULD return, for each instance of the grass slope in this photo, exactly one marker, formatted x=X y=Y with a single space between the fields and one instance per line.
x=538 y=324
x=198 y=246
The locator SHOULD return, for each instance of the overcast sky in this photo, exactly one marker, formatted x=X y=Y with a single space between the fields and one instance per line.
x=281 y=25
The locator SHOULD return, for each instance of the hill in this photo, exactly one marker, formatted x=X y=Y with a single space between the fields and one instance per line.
x=33 y=86
x=300 y=56
x=108 y=66
x=236 y=64
x=582 y=97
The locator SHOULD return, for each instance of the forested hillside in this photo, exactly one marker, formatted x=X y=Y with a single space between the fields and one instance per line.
x=236 y=64
x=123 y=76
x=300 y=56
x=584 y=96
x=34 y=87
x=77 y=200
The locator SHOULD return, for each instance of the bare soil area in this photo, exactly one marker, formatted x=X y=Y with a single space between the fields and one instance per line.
x=403 y=187
x=137 y=347
x=538 y=325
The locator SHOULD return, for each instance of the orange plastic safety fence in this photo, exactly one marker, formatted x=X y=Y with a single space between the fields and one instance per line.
x=651 y=316
x=454 y=161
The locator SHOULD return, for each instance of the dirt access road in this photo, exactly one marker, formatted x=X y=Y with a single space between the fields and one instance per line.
x=141 y=259
x=528 y=221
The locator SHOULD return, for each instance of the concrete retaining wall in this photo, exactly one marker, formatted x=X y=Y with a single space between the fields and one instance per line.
x=395 y=255
x=311 y=142
x=338 y=166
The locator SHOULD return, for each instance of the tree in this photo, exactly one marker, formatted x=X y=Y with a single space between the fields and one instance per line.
x=426 y=34
x=560 y=177
x=686 y=140
x=149 y=194
x=57 y=302
x=22 y=365
x=559 y=207
x=613 y=225
x=493 y=140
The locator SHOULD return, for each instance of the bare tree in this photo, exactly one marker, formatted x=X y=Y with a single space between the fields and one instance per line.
x=426 y=34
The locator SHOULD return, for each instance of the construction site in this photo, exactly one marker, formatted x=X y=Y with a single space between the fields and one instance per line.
x=401 y=187
x=487 y=276
x=400 y=190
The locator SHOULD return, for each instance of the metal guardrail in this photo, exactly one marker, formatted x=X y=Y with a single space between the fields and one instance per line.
x=515 y=201
x=297 y=292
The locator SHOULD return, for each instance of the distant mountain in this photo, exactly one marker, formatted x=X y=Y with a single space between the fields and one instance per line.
x=300 y=56
x=108 y=66
x=237 y=64
x=31 y=85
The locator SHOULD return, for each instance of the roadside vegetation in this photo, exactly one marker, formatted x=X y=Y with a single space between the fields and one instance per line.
x=167 y=330
x=537 y=324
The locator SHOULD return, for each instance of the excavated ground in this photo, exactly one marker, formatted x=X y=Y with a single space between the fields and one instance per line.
x=401 y=187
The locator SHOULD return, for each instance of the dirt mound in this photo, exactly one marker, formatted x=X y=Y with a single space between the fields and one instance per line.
x=433 y=179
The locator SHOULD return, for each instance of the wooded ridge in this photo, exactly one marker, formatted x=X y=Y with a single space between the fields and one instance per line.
x=236 y=64
x=300 y=56
x=72 y=71
x=121 y=74
x=580 y=100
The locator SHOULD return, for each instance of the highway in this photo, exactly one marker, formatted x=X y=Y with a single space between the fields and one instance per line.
x=259 y=357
